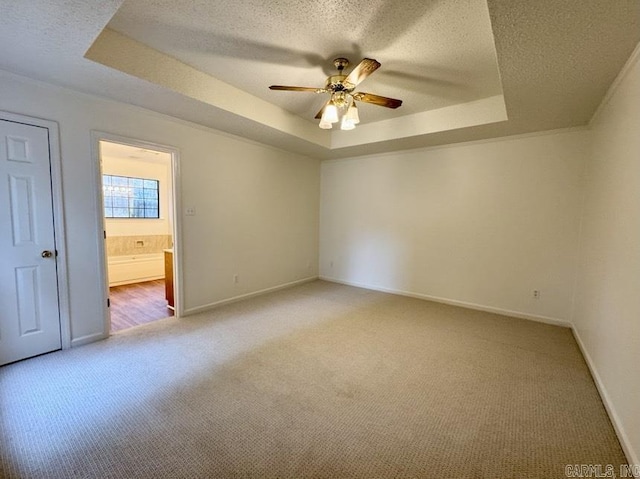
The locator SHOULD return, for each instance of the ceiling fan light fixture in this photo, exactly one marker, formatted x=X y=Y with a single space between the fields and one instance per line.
x=352 y=113
x=330 y=114
x=347 y=124
x=325 y=125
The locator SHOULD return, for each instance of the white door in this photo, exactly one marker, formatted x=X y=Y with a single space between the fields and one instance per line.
x=29 y=306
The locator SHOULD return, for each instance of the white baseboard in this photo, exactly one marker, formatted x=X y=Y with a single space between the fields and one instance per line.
x=206 y=307
x=632 y=456
x=89 y=338
x=454 y=302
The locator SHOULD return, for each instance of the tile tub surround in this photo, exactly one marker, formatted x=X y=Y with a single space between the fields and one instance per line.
x=138 y=244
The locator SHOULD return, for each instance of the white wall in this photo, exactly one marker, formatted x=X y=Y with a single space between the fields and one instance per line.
x=257 y=207
x=607 y=313
x=158 y=170
x=480 y=224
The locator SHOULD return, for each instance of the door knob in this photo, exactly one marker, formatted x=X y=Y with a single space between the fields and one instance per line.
x=47 y=254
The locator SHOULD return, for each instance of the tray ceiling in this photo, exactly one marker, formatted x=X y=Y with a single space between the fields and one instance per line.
x=434 y=54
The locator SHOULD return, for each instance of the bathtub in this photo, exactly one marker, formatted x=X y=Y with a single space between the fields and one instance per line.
x=135 y=268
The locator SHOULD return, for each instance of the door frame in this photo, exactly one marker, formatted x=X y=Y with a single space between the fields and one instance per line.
x=96 y=137
x=57 y=210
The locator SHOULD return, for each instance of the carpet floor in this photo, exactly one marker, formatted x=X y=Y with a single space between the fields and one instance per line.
x=320 y=380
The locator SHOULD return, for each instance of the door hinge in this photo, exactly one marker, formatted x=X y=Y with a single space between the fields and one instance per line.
x=104 y=233
x=108 y=303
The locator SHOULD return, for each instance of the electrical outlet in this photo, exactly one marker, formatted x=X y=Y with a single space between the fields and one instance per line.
x=236 y=278
x=536 y=294
x=190 y=211
x=331 y=264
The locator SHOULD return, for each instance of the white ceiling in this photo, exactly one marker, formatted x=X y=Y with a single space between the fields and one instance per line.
x=466 y=69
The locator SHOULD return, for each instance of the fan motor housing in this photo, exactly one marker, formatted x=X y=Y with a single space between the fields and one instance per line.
x=336 y=83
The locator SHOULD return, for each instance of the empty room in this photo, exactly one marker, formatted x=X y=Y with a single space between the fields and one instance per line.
x=358 y=239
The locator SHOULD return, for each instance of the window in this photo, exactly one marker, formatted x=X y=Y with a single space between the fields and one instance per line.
x=126 y=197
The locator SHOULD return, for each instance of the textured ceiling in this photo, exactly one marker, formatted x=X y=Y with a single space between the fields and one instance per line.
x=433 y=53
x=556 y=59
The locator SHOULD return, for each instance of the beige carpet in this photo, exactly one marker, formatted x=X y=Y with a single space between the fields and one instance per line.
x=322 y=381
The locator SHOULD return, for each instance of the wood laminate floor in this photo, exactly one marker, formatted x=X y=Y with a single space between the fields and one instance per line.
x=138 y=303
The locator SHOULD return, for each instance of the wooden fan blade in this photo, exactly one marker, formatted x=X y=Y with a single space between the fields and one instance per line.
x=365 y=68
x=377 y=100
x=296 y=88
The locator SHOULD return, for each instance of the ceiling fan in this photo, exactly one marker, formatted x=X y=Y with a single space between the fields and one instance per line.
x=341 y=106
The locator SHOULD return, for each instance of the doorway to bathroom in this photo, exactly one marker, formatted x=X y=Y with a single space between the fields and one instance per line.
x=138 y=201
